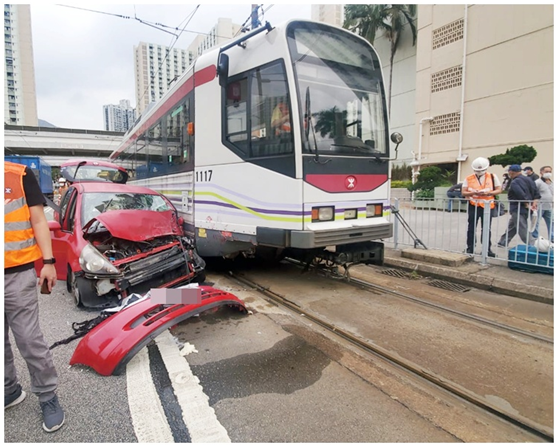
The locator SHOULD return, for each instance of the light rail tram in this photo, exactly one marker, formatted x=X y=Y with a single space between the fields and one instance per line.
x=274 y=144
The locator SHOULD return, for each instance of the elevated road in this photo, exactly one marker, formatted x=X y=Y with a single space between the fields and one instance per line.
x=56 y=145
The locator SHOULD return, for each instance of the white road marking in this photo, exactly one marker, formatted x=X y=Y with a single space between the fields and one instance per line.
x=148 y=417
x=199 y=417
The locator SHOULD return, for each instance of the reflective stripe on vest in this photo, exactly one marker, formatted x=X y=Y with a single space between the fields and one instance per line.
x=478 y=199
x=20 y=245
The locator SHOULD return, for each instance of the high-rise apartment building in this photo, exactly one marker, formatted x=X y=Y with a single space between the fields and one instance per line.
x=155 y=70
x=156 y=67
x=119 y=118
x=331 y=14
x=20 y=99
x=223 y=31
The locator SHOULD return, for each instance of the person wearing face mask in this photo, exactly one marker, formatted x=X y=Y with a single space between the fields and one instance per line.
x=478 y=188
x=528 y=171
x=523 y=196
x=546 y=204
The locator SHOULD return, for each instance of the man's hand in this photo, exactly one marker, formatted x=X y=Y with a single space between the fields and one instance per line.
x=48 y=274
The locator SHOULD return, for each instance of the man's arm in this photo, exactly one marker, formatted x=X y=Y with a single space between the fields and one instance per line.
x=42 y=236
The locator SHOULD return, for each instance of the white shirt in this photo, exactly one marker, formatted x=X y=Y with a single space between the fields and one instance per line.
x=546 y=190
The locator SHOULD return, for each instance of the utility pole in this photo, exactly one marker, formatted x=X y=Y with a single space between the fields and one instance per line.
x=255 y=22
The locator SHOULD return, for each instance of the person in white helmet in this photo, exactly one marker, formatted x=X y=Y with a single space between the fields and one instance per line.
x=480 y=187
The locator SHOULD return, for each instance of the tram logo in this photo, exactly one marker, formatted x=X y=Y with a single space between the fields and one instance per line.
x=350 y=182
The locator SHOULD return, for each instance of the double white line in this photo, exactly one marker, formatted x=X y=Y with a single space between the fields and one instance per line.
x=148 y=417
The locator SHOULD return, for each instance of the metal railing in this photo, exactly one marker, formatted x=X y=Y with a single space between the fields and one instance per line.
x=510 y=235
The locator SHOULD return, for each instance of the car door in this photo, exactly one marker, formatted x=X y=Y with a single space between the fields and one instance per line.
x=64 y=239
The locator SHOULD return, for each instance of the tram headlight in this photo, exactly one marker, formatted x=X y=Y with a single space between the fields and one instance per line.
x=323 y=213
x=374 y=210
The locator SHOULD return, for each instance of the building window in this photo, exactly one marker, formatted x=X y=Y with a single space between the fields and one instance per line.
x=447 y=123
x=446 y=79
x=447 y=34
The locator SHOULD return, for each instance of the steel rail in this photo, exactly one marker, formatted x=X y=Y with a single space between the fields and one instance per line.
x=533 y=427
x=377 y=288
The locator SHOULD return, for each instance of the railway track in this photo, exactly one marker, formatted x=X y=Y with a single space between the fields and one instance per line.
x=468 y=316
x=541 y=431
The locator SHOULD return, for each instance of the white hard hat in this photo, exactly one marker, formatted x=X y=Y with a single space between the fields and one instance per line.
x=61 y=180
x=480 y=164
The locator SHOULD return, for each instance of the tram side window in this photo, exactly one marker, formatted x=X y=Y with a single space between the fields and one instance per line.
x=155 y=142
x=270 y=112
x=258 y=102
x=179 y=150
x=141 y=158
x=236 y=109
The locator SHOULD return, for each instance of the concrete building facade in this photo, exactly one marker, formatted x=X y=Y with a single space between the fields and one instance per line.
x=222 y=32
x=155 y=67
x=155 y=71
x=402 y=116
x=118 y=118
x=484 y=83
x=20 y=98
x=331 y=14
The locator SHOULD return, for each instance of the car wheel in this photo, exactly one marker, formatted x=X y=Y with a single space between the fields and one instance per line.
x=69 y=279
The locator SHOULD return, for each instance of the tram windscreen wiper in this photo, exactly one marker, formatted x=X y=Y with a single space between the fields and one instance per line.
x=309 y=124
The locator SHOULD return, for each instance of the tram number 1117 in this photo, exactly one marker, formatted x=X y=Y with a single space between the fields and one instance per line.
x=204 y=176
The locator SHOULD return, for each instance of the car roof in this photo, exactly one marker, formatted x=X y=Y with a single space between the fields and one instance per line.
x=112 y=187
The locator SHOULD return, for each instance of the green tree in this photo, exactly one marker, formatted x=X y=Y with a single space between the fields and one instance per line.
x=429 y=178
x=514 y=156
x=366 y=20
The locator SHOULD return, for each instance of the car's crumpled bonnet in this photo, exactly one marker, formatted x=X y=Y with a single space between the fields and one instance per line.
x=137 y=225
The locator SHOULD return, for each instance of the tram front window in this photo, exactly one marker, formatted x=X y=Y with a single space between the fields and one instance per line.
x=342 y=98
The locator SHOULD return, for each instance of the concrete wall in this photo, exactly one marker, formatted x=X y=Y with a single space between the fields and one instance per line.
x=508 y=87
x=402 y=117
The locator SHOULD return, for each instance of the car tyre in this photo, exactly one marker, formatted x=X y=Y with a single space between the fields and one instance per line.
x=69 y=279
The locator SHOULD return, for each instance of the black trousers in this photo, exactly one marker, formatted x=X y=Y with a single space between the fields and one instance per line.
x=474 y=214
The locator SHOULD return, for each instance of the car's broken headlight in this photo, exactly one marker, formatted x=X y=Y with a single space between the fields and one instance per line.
x=92 y=261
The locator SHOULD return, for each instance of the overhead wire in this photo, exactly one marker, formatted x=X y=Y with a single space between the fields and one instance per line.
x=188 y=19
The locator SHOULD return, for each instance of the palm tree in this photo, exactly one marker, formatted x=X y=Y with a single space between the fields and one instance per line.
x=366 y=20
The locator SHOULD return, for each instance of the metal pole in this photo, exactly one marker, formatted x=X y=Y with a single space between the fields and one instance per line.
x=485 y=231
x=395 y=225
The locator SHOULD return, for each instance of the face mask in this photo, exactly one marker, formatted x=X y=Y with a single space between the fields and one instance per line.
x=547 y=175
x=481 y=173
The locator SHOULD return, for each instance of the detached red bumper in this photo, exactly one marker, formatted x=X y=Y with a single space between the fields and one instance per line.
x=108 y=347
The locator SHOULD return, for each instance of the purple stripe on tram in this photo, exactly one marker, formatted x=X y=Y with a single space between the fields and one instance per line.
x=258 y=210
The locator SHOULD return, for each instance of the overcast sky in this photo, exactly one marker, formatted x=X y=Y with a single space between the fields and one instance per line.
x=84 y=59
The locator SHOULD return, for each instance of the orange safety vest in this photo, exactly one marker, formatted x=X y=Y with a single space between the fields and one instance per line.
x=473 y=182
x=20 y=246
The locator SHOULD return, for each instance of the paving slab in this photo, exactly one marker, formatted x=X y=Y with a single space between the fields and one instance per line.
x=496 y=278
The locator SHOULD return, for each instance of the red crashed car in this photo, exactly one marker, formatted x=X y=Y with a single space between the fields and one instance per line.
x=112 y=239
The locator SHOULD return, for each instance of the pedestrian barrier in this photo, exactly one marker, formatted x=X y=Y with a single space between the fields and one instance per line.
x=519 y=236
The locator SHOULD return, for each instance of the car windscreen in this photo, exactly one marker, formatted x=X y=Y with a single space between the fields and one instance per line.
x=97 y=173
x=95 y=203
